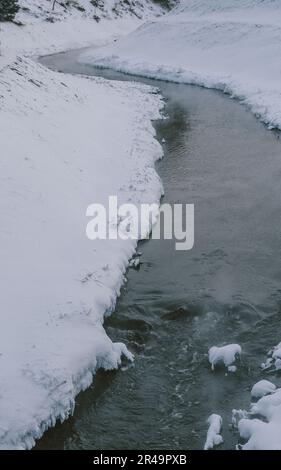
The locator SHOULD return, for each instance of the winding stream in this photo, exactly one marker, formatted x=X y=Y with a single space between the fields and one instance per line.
x=178 y=304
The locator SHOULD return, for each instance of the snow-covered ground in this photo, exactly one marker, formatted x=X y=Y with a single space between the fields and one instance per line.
x=66 y=142
x=231 y=45
x=43 y=31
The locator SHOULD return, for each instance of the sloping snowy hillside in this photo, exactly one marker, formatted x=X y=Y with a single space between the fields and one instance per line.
x=56 y=159
x=56 y=285
x=72 y=24
x=92 y=9
x=232 y=45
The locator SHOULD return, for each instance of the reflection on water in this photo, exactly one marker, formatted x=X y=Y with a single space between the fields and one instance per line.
x=227 y=289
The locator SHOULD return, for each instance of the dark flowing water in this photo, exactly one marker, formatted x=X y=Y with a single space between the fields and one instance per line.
x=178 y=304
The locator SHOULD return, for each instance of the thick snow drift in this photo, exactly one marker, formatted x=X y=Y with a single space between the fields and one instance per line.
x=232 y=45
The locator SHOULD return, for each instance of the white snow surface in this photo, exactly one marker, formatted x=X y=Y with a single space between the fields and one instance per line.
x=273 y=362
x=56 y=285
x=231 y=45
x=262 y=388
x=66 y=142
x=69 y=28
x=99 y=9
x=214 y=437
x=260 y=427
x=226 y=355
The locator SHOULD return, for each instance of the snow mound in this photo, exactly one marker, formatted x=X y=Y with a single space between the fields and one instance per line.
x=213 y=435
x=260 y=435
x=262 y=388
x=226 y=355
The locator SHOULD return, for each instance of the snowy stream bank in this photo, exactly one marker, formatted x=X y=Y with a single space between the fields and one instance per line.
x=56 y=159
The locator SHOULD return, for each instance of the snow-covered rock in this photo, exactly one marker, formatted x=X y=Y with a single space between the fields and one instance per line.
x=260 y=435
x=273 y=361
x=214 y=437
x=262 y=388
x=134 y=263
x=226 y=355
